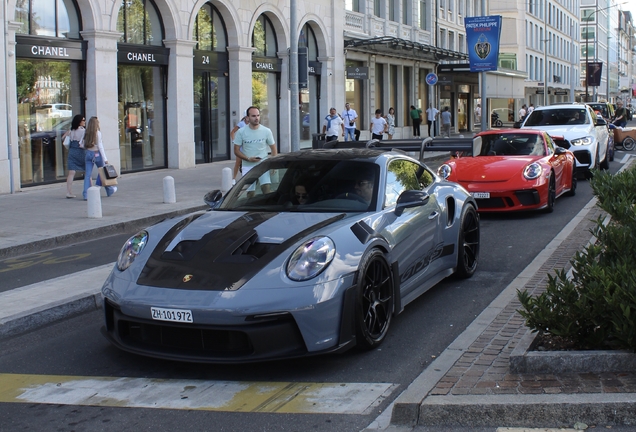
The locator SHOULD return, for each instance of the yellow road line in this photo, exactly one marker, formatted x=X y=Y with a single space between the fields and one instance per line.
x=231 y=396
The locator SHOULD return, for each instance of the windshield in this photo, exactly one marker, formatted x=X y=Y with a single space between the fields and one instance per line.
x=512 y=144
x=557 y=117
x=280 y=184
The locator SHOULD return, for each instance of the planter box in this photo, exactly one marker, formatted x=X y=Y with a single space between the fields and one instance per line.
x=524 y=360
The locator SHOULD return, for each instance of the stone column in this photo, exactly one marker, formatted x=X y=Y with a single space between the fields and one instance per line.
x=102 y=90
x=240 y=59
x=180 y=104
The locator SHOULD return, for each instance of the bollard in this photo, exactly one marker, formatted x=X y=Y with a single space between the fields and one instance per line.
x=226 y=179
x=94 y=202
x=169 y=194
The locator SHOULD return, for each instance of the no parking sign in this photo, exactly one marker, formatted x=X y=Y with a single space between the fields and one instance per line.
x=431 y=79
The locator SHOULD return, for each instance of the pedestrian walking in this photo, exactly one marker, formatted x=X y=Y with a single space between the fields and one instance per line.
x=446 y=122
x=378 y=125
x=332 y=126
x=416 y=119
x=95 y=155
x=251 y=145
x=431 y=116
x=390 y=120
x=522 y=112
x=237 y=163
x=76 y=155
x=350 y=116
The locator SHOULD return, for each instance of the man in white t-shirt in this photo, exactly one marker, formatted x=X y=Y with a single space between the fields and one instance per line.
x=251 y=145
x=378 y=125
x=332 y=126
x=522 y=112
x=431 y=116
x=349 y=116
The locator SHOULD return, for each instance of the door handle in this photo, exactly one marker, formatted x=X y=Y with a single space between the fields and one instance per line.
x=433 y=215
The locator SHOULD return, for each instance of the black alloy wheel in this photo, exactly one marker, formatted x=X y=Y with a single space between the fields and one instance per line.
x=629 y=143
x=572 y=190
x=468 y=243
x=374 y=307
x=551 y=194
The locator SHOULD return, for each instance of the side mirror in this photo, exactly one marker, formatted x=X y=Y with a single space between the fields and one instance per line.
x=213 y=198
x=559 y=151
x=409 y=199
x=601 y=122
x=517 y=124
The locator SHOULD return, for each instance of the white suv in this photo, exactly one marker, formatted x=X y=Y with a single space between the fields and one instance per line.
x=578 y=124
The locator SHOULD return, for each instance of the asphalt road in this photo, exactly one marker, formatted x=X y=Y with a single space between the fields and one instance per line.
x=427 y=326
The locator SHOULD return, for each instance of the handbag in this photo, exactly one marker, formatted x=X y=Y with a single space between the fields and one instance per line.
x=105 y=180
x=67 y=141
x=111 y=172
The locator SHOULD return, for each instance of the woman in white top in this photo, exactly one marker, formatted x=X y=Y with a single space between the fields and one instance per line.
x=390 y=119
x=94 y=155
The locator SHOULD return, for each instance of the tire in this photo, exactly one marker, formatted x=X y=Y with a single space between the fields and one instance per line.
x=605 y=163
x=374 y=303
x=498 y=123
x=589 y=174
x=468 y=243
x=572 y=190
x=629 y=143
x=551 y=194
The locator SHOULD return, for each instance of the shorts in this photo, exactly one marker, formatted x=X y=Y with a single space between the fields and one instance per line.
x=263 y=180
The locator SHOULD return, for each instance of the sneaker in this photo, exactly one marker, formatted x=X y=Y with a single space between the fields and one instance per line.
x=69 y=196
x=114 y=190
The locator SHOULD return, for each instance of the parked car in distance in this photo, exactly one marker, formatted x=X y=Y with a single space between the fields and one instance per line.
x=271 y=273
x=605 y=109
x=56 y=110
x=579 y=125
x=514 y=169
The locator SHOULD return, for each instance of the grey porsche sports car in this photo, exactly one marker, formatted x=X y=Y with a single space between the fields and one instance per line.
x=310 y=252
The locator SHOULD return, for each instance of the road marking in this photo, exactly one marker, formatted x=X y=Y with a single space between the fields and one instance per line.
x=232 y=396
x=626 y=158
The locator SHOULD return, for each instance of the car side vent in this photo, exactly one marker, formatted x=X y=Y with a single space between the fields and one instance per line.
x=245 y=246
x=450 y=206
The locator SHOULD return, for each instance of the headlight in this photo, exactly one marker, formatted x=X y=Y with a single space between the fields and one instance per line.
x=444 y=171
x=311 y=258
x=131 y=249
x=583 y=141
x=532 y=171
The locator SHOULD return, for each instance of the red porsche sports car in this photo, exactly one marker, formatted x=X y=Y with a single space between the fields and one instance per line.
x=514 y=169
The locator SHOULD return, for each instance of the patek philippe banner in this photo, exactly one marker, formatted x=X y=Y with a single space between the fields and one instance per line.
x=482 y=39
x=594 y=72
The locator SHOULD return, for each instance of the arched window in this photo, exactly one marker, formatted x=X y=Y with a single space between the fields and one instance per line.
x=52 y=18
x=264 y=38
x=307 y=39
x=140 y=23
x=209 y=30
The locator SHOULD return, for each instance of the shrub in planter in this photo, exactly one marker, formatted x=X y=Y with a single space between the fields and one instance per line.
x=596 y=308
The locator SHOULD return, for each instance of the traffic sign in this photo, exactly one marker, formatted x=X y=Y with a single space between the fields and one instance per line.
x=431 y=79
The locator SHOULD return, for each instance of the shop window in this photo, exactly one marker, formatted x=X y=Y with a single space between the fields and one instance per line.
x=209 y=30
x=264 y=38
x=51 y=18
x=139 y=23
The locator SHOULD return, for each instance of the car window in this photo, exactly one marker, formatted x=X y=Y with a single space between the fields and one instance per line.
x=326 y=186
x=402 y=175
x=557 y=117
x=512 y=144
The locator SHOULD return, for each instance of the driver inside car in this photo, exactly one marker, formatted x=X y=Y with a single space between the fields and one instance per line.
x=364 y=187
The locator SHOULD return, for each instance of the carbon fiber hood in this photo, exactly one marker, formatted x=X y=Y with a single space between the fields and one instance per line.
x=221 y=251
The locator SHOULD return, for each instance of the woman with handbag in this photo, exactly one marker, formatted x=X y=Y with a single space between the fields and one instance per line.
x=95 y=155
x=76 y=155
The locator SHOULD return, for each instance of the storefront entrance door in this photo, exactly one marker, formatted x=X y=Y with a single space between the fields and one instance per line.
x=211 y=133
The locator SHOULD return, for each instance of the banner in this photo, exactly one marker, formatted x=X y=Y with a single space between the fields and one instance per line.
x=482 y=39
x=594 y=72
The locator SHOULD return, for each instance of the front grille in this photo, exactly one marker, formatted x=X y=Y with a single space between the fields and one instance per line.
x=196 y=339
x=527 y=197
x=583 y=156
x=491 y=203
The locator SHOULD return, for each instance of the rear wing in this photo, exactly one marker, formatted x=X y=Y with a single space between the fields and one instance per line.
x=464 y=145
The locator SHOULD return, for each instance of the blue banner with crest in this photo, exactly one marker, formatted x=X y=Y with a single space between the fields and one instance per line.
x=482 y=39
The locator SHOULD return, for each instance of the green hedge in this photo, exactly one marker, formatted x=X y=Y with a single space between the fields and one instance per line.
x=596 y=309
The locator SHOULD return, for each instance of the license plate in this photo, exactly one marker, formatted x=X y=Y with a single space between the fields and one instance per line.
x=481 y=195
x=175 y=315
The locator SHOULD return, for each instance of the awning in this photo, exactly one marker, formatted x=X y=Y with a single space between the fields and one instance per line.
x=404 y=48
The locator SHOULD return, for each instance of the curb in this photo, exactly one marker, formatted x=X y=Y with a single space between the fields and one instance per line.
x=99 y=232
